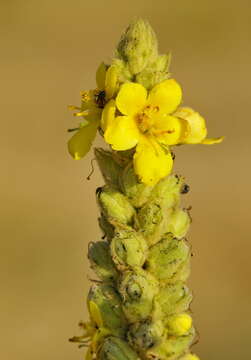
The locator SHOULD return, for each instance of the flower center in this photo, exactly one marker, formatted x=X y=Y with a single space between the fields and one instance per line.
x=145 y=118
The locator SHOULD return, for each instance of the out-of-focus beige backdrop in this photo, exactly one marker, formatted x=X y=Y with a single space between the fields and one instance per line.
x=49 y=52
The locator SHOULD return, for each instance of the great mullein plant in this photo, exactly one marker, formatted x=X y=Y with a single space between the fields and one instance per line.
x=140 y=304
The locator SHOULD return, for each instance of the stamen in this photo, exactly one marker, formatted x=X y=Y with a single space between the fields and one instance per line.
x=81 y=113
x=73 y=107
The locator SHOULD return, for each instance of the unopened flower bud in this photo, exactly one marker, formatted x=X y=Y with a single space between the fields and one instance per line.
x=179 y=222
x=172 y=299
x=137 y=192
x=170 y=347
x=155 y=72
x=179 y=324
x=138 y=46
x=115 y=348
x=128 y=249
x=108 y=305
x=115 y=206
x=167 y=257
x=110 y=169
x=101 y=261
x=145 y=334
x=138 y=289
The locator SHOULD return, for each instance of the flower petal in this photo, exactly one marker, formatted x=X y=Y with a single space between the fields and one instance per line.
x=152 y=162
x=95 y=313
x=111 y=82
x=122 y=133
x=131 y=98
x=100 y=76
x=210 y=141
x=108 y=114
x=81 y=141
x=196 y=126
x=166 y=96
x=169 y=129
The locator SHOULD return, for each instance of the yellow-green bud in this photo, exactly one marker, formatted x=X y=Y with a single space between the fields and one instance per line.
x=114 y=348
x=155 y=72
x=155 y=216
x=170 y=348
x=110 y=169
x=146 y=334
x=138 y=46
x=179 y=324
x=167 y=257
x=179 y=222
x=128 y=249
x=101 y=261
x=138 y=289
x=172 y=299
x=115 y=206
x=109 y=306
x=137 y=192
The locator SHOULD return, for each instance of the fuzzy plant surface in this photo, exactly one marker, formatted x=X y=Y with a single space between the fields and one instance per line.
x=139 y=305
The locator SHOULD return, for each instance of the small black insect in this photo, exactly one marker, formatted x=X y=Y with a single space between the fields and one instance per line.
x=100 y=99
x=173 y=155
x=185 y=189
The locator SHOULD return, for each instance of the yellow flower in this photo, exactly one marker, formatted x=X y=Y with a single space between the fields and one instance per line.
x=92 y=104
x=94 y=331
x=149 y=122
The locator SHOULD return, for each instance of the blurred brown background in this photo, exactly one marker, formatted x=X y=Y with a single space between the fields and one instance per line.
x=49 y=52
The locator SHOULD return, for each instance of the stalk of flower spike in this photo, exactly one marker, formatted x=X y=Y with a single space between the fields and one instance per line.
x=140 y=305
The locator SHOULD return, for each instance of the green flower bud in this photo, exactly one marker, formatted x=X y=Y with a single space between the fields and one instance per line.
x=101 y=261
x=110 y=169
x=179 y=222
x=155 y=72
x=166 y=257
x=123 y=71
x=138 y=289
x=146 y=334
x=155 y=215
x=172 y=299
x=114 y=348
x=128 y=249
x=168 y=191
x=138 y=46
x=137 y=192
x=115 y=206
x=170 y=348
x=109 y=306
